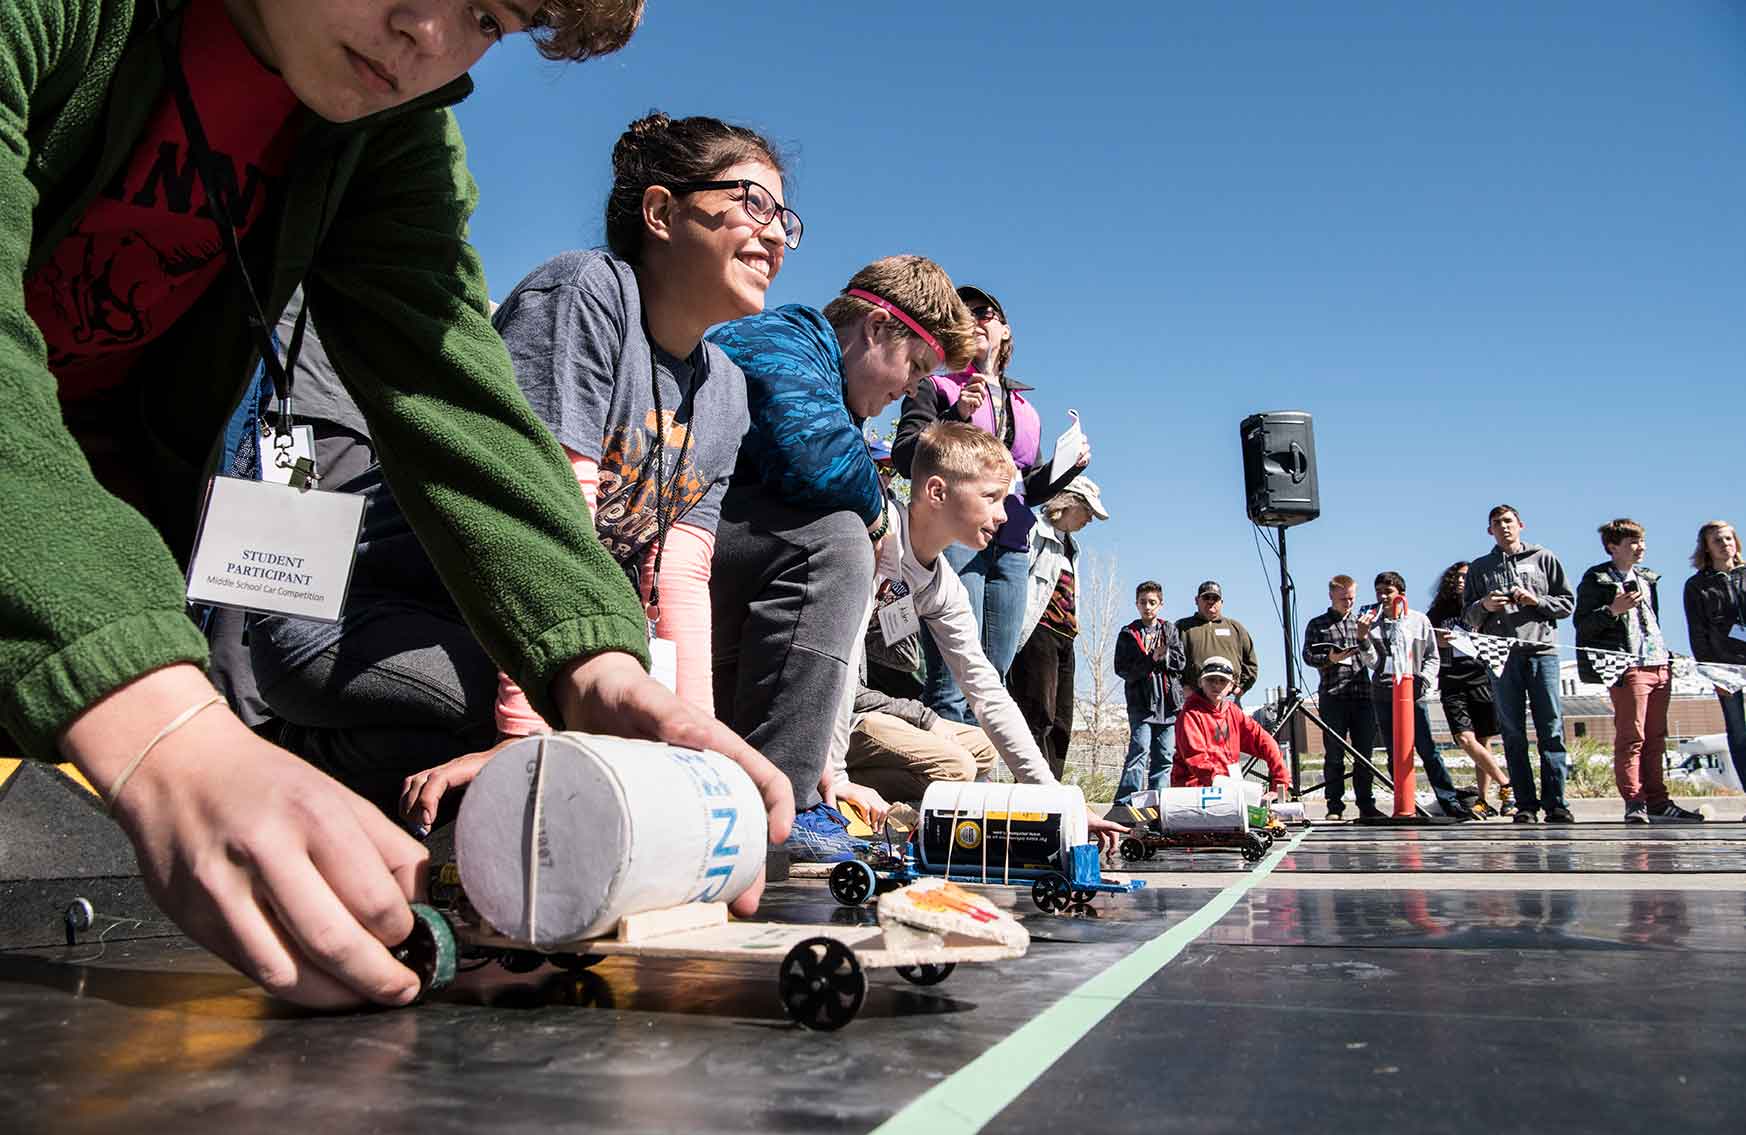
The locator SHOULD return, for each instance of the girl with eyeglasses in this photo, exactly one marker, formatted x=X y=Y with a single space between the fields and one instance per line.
x=607 y=345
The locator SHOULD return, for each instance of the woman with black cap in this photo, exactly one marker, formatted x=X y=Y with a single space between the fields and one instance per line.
x=996 y=577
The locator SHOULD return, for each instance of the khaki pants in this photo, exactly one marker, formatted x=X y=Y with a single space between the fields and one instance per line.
x=899 y=761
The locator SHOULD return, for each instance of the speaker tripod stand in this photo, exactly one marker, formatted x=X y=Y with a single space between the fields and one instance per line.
x=1295 y=704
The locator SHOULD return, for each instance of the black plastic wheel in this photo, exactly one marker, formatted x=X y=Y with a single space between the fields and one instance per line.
x=822 y=984
x=853 y=882
x=1083 y=898
x=576 y=963
x=521 y=961
x=927 y=973
x=1151 y=851
x=1253 y=849
x=429 y=951
x=1133 y=848
x=1052 y=893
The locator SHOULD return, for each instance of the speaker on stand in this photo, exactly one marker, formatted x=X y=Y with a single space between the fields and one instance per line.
x=1279 y=468
x=1281 y=491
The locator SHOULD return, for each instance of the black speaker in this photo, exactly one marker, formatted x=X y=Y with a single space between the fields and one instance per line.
x=1279 y=468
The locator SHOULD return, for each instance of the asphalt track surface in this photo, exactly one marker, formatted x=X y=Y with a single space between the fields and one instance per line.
x=1438 y=979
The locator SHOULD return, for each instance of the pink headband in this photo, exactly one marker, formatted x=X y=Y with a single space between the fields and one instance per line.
x=902 y=316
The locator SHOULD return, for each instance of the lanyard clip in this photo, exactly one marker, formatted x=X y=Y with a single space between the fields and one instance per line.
x=282 y=431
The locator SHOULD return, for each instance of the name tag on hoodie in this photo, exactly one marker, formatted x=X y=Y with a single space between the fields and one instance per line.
x=275 y=549
x=1737 y=633
x=898 y=620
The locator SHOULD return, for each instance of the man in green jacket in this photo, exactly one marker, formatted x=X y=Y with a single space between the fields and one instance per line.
x=1209 y=634
x=124 y=344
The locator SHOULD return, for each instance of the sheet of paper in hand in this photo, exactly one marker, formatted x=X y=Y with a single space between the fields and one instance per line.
x=275 y=549
x=1067 y=448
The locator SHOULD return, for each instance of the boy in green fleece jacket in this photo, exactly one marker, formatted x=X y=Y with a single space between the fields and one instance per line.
x=124 y=344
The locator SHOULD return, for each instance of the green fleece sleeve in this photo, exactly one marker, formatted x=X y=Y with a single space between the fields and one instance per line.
x=90 y=597
x=400 y=297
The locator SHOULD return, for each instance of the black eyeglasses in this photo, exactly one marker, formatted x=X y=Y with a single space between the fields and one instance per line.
x=760 y=205
x=982 y=313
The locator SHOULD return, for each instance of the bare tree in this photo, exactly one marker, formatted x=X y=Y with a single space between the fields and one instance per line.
x=1100 y=732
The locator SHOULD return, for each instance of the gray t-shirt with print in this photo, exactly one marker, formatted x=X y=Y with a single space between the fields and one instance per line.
x=575 y=332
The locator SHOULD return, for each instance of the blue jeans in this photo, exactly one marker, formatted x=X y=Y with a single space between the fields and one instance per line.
x=997 y=579
x=1734 y=715
x=1530 y=680
x=1355 y=720
x=1435 y=770
x=1151 y=752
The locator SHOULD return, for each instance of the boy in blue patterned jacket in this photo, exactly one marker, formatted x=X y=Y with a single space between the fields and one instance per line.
x=794 y=550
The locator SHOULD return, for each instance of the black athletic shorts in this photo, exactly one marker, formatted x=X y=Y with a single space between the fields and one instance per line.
x=1469 y=709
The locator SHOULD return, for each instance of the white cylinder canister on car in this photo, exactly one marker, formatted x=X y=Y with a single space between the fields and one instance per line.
x=1216 y=807
x=563 y=834
x=1000 y=831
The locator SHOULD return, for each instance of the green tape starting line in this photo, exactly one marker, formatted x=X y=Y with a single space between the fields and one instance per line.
x=964 y=1102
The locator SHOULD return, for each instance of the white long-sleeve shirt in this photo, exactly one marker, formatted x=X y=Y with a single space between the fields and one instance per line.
x=943 y=606
x=1404 y=646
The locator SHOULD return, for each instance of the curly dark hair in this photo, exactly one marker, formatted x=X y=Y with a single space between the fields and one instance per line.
x=1446 y=599
x=657 y=150
x=575 y=30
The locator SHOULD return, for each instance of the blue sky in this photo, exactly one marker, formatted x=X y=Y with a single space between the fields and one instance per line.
x=1497 y=249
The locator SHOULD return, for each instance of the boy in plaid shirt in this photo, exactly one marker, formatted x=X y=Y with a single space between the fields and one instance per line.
x=1331 y=645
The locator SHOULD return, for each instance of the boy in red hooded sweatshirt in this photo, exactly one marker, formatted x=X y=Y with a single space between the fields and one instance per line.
x=1213 y=734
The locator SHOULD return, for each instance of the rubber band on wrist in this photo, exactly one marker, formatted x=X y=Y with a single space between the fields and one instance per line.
x=176 y=723
x=903 y=317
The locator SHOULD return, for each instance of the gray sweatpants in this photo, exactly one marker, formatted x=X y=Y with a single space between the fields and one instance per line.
x=788 y=589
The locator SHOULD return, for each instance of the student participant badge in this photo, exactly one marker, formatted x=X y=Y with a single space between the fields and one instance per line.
x=275 y=549
x=896 y=611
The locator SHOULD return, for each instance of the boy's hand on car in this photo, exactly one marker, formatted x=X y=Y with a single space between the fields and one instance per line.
x=610 y=693
x=422 y=792
x=1104 y=833
x=256 y=854
x=872 y=806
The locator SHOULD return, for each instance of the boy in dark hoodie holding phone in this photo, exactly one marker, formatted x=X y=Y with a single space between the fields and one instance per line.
x=1619 y=644
x=1149 y=660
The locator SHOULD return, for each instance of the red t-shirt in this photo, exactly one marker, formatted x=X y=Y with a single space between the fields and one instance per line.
x=147 y=248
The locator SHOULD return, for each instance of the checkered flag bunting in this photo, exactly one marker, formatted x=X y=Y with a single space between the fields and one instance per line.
x=1730 y=678
x=1489 y=649
x=1608 y=665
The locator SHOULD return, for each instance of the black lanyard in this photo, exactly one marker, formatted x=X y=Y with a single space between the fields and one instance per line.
x=205 y=168
x=666 y=492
